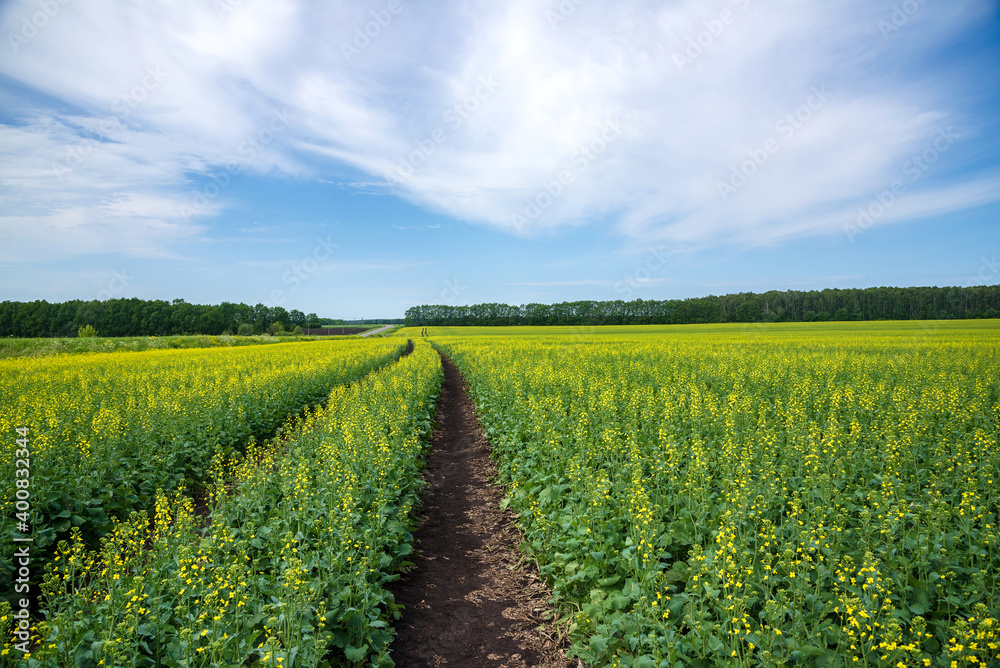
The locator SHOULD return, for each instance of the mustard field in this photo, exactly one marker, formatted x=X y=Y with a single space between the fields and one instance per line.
x=108 y=430
x=706 y=495
x=754 y=495
x=122 y=441
x=286 y=568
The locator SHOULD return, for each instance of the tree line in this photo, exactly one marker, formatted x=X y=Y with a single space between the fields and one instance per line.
x=138 y=317
x=886 y=303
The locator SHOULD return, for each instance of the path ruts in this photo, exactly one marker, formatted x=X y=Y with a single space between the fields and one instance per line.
x=464 y=605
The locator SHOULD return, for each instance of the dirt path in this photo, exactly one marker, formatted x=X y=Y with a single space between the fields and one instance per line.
x=465 y=607
x=377 y=331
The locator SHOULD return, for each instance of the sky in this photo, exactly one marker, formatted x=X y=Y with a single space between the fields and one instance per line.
x=355 y=158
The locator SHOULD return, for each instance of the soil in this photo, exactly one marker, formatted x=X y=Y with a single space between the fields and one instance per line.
x=334 y=331
x=469 y=600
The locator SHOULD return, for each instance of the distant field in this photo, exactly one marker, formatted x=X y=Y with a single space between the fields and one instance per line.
x=41 y=347
x=337 y=331
x=905 y=328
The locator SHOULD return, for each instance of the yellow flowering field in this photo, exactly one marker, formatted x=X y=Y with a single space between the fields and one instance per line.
x=288 y=565
x=108 y=430
x=820 y=495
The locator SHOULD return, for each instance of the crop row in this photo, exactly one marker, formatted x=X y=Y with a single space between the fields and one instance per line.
x=287 y=569
x=107 y=431
x=749 y=500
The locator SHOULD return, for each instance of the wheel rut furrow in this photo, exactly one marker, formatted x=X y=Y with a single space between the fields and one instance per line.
x=465 y=604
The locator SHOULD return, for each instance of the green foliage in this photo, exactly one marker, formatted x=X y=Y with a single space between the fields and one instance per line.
x=86 y=332
x=821 y=495
x=108 y=431
x=291 y=566
x=40 y=347
x=136 y=317
x=748 y=311
x=928 y=303
x=245 y=329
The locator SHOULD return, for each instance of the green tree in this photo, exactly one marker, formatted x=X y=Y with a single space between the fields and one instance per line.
x=748 y=311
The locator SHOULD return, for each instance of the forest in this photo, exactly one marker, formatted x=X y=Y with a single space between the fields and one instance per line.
x=138 y=317
x=885 y=303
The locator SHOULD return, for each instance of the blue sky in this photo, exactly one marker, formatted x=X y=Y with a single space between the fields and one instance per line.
x=357 y=158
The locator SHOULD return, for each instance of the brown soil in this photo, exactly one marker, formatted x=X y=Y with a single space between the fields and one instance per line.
x=334 y=331
x=467 y=602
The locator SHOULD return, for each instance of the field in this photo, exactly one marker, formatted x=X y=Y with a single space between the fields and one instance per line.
x=122 y=433
x=43 y=347
x=821 y=494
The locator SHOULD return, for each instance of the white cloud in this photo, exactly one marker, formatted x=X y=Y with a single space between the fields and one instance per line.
x=64 y=195
x=482 y=107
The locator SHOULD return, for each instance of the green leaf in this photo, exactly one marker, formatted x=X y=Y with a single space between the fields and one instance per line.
x=356 y=654
x=920 y=606
x=617 y=602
